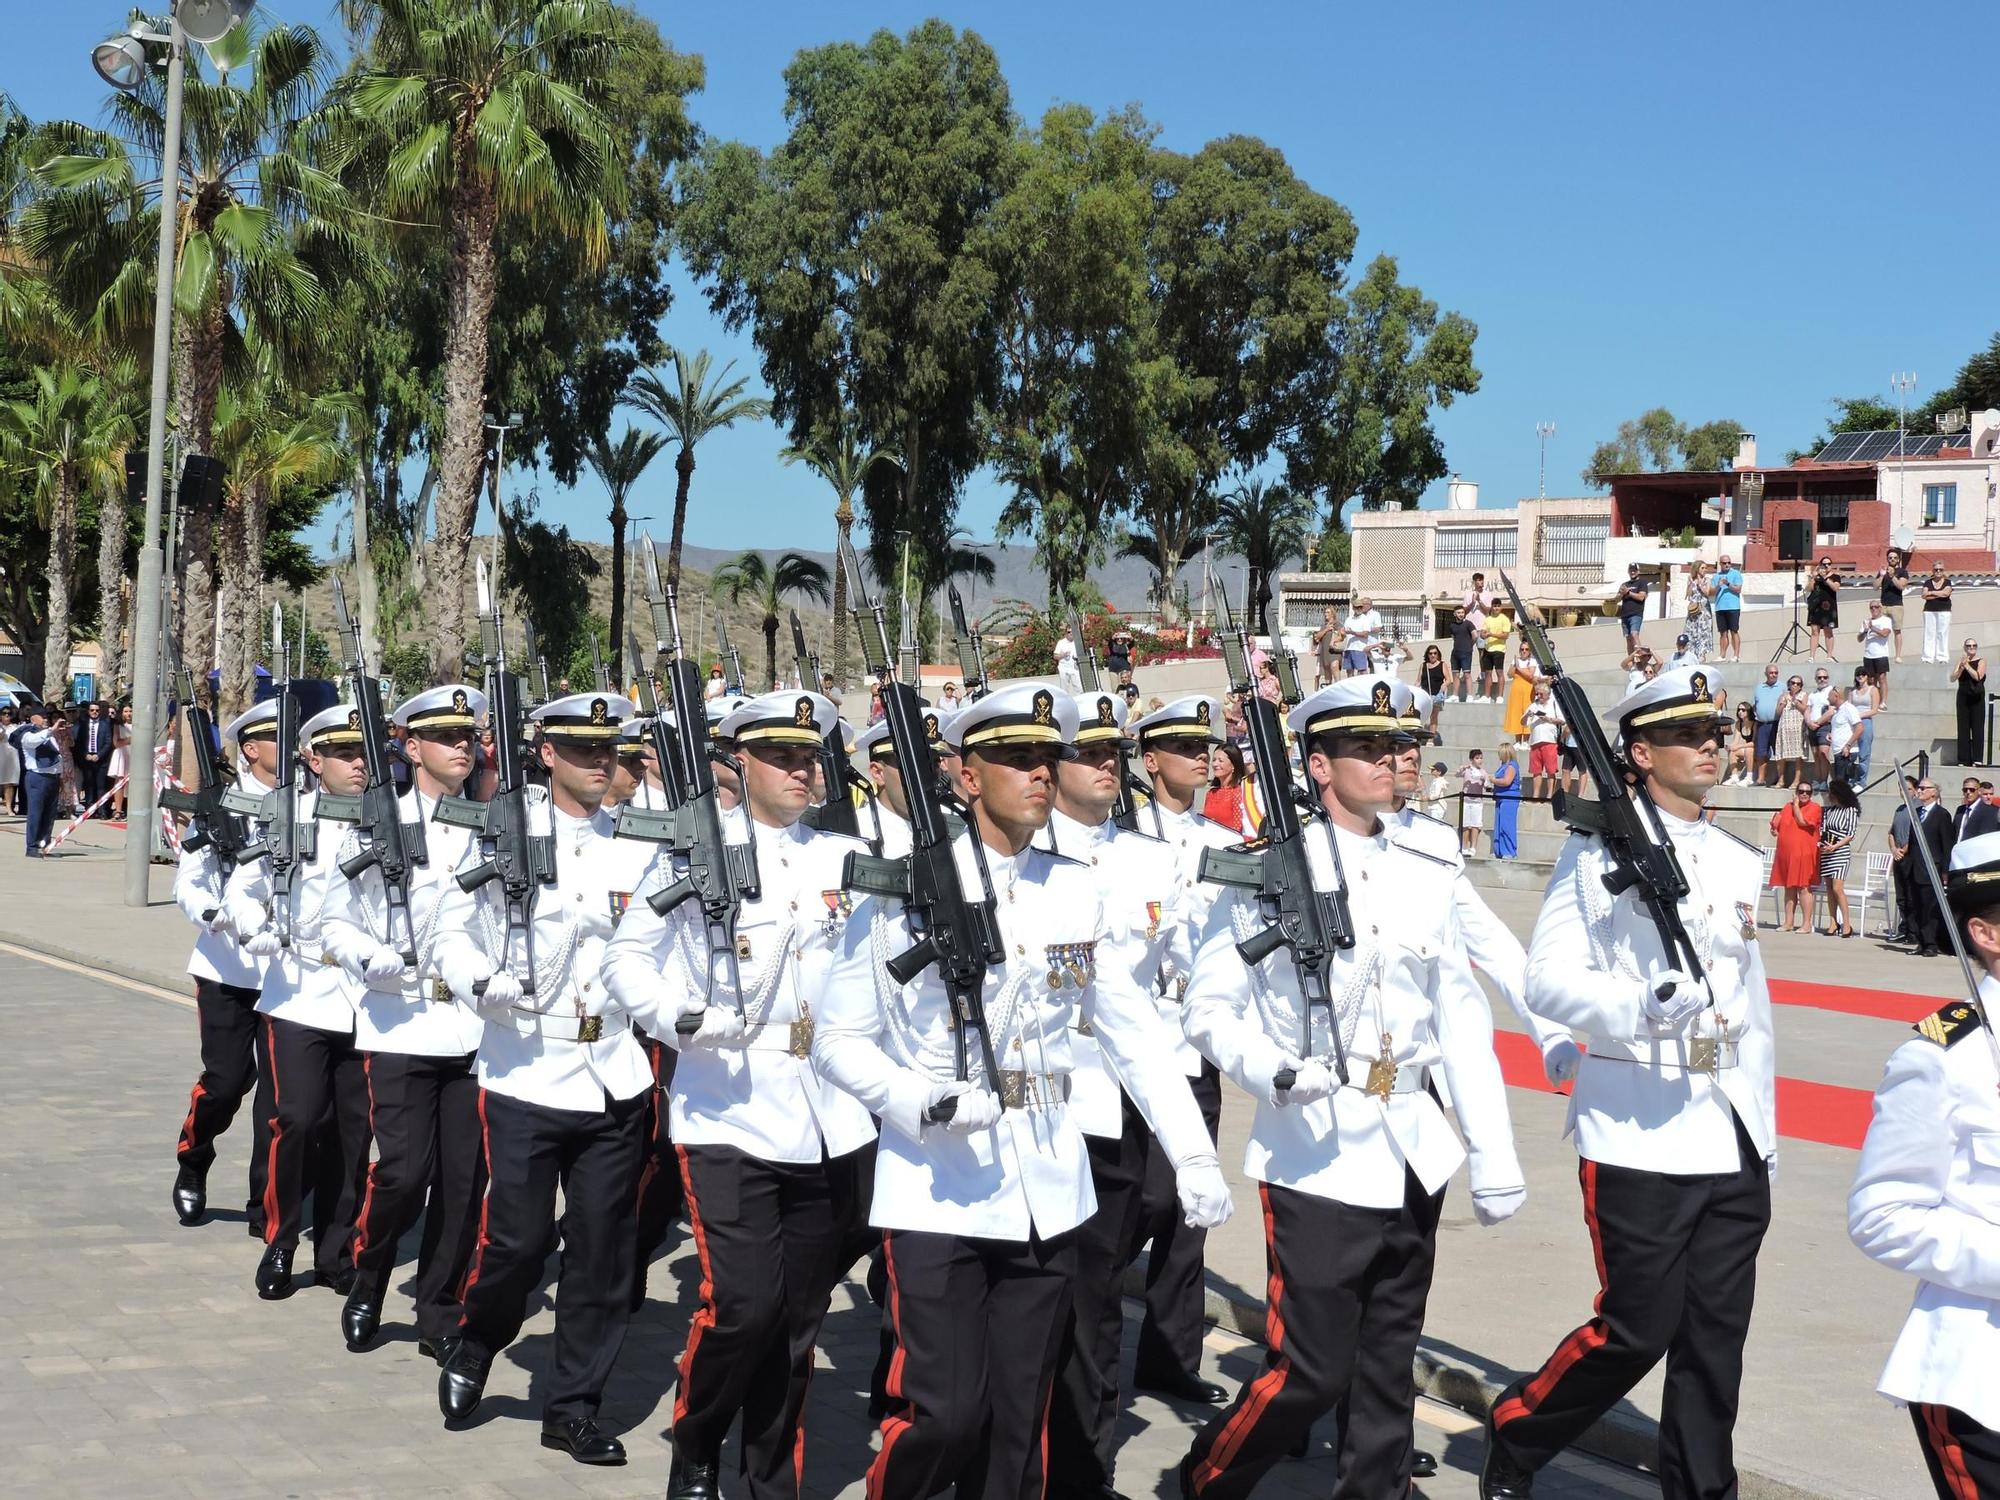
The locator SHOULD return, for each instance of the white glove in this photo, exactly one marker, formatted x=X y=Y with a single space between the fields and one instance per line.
x=384 y=963
x=1560 y=1060
x=719 y=1026
x=1312 y=1081
x=977 y=1108
x=502 y=990
x=244 y=919
x=261 y=944
x=1205 y=1202
x=1670 y=1011
x=1498 y=1205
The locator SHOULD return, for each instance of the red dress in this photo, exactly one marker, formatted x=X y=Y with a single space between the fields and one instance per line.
x=1224 y=805
x=1796 y=864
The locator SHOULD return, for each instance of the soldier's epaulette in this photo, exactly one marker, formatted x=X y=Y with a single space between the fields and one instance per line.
x=1436 y=859
x=1949 y=1024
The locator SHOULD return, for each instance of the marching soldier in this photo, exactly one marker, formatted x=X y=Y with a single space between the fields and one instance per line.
x=417 y=1044
x=308 y=1028
x=1926 y=1200
x=562 y=1083
x=980 y=1212
x=1175 y=743
x=771 y=1155
x=1673 y=1114
x=1352 y=1171
x=891 y=800
x=1134 y=879
x=227 y=981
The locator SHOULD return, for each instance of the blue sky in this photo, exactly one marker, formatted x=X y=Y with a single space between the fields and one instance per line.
x=1735 y=211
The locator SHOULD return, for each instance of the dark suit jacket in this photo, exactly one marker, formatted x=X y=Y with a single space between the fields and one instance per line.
x=1970 y=822
x=1936 y=826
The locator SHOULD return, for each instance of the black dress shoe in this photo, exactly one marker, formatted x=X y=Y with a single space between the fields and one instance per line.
x=1183 y=1385
x=190 y=1194
x=583 y=1440
x=360 y=1320
x=462 y=1381
x=439 y=1349
x=341 y=1281
x=1500 y=1477
x=688 y=1480
x=1927 y=953
x=274 y=1274
x=1423 y=1465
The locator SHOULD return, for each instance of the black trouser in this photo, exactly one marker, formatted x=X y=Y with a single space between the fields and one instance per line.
x=1930 y=931
x=1971 y=729
x=424 y=1113
x=92 y=781
x=594 y=1156
x=1677 y=1268
x=1963 y=1457
x=1902 y=872
x=659 y=1197
x=227 y=1017
x=316 y=1081
x=978 y=1323
x=1083 y=1411
x=1343 y=1309
x=1170 y=1338
x=767 y=1235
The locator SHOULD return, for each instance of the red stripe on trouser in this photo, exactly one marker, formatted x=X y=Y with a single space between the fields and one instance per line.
x=704 y=1317
x=1950 y=1457
x=277 y=1134
x=195 y=1098
x=895 y=1424
x=1584 y=1340
x=368 y=1197
x=485 y=1208
x=1252 y=1404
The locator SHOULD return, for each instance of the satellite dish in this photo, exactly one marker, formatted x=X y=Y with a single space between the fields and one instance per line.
x=211 y=20
x=1903 y=539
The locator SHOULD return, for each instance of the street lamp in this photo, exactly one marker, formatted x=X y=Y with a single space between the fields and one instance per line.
x=1904 y=382
x=1545 y=431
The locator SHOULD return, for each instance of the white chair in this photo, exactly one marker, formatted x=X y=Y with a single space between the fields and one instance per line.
x=1777 y=896
x=1877 y=882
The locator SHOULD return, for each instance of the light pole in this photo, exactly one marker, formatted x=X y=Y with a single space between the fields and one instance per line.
x=123 y=62
x=1904 y=382
x=1545 y=431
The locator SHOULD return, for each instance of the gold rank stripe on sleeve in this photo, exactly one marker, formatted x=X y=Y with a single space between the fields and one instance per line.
x=1949 y=1024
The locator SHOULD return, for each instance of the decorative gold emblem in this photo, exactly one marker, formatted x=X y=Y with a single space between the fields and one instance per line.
x=1381 y=703
x=742 y=946
x=1045 y=707
x=460 y=704
x=354 y=718
x=802 y=713
x=933 y=731
x=1107 y=714
x=1201 y=713
x=598 y=709
x=1382 y=1071
x=590 y=1029
x=1698 y=684
x=801 y=1042
x=1933 y=1028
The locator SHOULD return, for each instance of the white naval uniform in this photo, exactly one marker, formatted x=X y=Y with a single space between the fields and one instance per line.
x=199 y=885
x=1637 y=1103
x=305 y=982
x=407 y=1014
x=1352 y=1147
x=890 y=1047
x=896 y=837
x=1926 y=1200
x=572 y=923
x=1186 y=834
x=757 y=1094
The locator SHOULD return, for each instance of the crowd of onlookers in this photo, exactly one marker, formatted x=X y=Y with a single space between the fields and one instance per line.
x=93 y=744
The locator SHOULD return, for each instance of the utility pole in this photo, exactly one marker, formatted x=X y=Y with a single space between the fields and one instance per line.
x=1904 y=382
x=1545 y=431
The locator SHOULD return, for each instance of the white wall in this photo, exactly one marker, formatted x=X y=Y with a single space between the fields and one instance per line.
x=1902 y=487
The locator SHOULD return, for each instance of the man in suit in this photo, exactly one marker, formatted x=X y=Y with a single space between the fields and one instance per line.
x=93 y=756
x=1974 y=815
x=1934 y=826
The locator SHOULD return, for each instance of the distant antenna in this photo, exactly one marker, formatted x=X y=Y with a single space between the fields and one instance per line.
x=1953 y=420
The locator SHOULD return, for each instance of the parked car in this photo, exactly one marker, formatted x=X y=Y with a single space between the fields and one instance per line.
x=16 y=694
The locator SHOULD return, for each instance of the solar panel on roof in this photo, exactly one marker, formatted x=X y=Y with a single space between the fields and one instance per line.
x=1841 y=448
x=1874 y=447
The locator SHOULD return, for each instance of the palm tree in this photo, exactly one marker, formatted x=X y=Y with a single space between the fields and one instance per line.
x=1141 y=543
x=475 y=111
x=691 y=409
x=265 y=233
x=767 y=583
x=619 y=465
x=67 y=438
x=1265 y=525
x=837 y=458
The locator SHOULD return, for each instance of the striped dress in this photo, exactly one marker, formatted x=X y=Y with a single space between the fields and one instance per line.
x=1837 y=823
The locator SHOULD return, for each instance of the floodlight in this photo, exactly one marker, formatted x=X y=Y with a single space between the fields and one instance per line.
x=121 y=61
x=211 y=20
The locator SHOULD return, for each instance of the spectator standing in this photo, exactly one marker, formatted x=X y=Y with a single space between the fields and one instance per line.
x=1479 y=602
x=1638 y=668
x=1934 y=826
x=1764 y=705
x=1975 y=813
x=63 y=726
x=10 y=763
x=1632 y=604
x=1819 y=721
x=1895 y=578
x=1431 y=678
x=1476 y=785
x=1788 y=745
x=1700 y=612
x=1742 y=746
x=949 y=699
x=93 y=758
x=1545 y=727
x=1360 y=630
x=1464 y=634
x=1520 y=693
x=1267 y=685
x=1877 y=635
x=715 y=687
x=1326 y=649
x=1728 y=604
x=876 y=708
x=1836 y=846
x=1795 y=865
x=1118 y=655
x=1506 y=802
x=1224 y=802
x=1823 y=608
x=1969 y=676
x=1235 y=723
x=1067 y=671
x=121 y=759
x=1863 y=698
x=1902 y=869
x=1437 y=792
x=1493 y=633
x=41 y=775
x=1937 y=615
x=1843 y=736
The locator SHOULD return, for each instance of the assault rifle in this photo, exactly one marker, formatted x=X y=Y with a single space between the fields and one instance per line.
x=1086 y=655
x=1642 y=858
x=600 y=674
x=672 y=779
x=282 y=842
x=720 y=875
x=837 y=813
x=971 y=651
x=517 y=841
x=958 y=934
x=732 y=663
x=1312 y=924
x=212 y=824
x=534 y=654
x=388 y=844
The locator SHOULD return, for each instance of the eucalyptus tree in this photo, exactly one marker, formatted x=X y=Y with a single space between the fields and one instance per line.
x=837 y=457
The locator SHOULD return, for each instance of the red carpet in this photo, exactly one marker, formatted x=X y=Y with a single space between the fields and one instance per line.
x=1886 y=1005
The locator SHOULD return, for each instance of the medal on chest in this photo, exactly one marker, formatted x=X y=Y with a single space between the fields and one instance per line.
x=839 y=907
x=1152 y=920
x=1071 y=965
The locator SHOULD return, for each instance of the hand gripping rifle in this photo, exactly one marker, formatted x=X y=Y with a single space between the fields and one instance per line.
x=1642 y=859
x=517 y=856
x=971 y=651
x=961 y=936
x=1313 y=924
x=388 y=844
x=283 y=842
x=720 y=875
x=837 y=814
